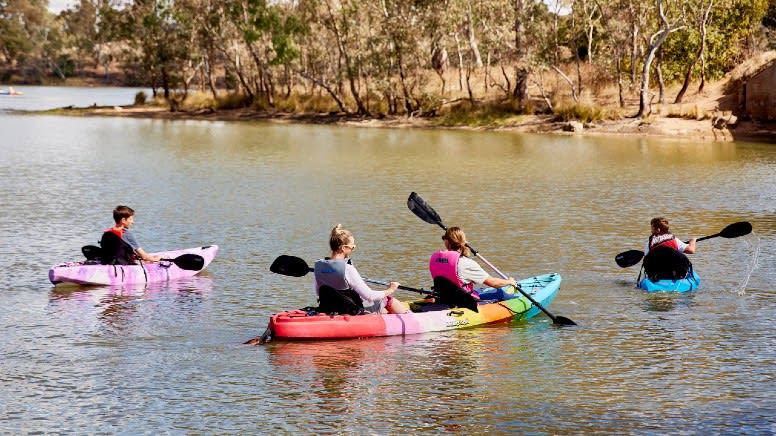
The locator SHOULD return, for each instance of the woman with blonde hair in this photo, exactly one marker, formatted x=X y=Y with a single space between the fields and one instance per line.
x=454 y=264
x=336 y=275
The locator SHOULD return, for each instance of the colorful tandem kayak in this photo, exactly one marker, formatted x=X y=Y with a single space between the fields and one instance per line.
x=689 y=283
x=93 y=273
x=298 y=324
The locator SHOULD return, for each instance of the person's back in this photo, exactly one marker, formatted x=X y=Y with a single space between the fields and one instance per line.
x=666 y=263
x=334 y=293
x=115 y=251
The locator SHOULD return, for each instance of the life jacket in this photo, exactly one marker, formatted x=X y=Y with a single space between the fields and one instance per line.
x=664 y=240
x=334 y=293
x=115 y=250
x=444 y=263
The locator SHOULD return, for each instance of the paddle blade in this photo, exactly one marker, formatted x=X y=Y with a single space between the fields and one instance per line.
x=289 y=266
x=562 y=320
x=736 y=229
x=629 y=258
x=189 y=261
x=419 y=207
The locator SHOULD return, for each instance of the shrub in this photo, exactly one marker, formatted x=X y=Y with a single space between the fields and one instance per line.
x=140 y=98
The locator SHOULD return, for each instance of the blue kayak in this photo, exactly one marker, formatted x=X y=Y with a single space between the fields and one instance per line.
x=689 y=283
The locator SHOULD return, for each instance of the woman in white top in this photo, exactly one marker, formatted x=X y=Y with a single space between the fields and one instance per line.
x=338 y=272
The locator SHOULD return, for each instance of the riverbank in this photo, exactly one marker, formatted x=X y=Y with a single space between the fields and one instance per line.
x=721 y=128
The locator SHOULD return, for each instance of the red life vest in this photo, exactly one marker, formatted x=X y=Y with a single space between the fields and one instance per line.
x=117 y=232
x=445 y=264
x=665 y=240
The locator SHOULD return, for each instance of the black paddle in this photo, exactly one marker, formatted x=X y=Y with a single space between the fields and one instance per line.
x=419 y=207
x=297 y=267
x=188 y=261
x=632 y=257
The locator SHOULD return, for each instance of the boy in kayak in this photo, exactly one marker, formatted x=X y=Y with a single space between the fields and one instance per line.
x=661 y=236
x=119 y=244
x=454 y=264
x=664 y=254
x=337 y=280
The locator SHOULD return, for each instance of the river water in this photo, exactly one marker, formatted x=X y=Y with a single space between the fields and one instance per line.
x=169 y=359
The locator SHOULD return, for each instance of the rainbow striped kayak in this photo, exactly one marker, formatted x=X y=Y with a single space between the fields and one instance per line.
x=298 y=324
x=93 y=273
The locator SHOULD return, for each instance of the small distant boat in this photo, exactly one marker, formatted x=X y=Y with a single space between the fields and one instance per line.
x=10 y=91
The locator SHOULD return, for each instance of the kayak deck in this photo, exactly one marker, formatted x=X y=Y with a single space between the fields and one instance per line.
x=298 y=324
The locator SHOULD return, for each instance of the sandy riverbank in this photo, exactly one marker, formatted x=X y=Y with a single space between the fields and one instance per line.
x=653 y=126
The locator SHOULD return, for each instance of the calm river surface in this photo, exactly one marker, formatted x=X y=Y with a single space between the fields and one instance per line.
x=169 y=359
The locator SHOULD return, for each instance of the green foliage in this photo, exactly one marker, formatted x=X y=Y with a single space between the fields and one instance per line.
x=65 y=66
x=140 y=98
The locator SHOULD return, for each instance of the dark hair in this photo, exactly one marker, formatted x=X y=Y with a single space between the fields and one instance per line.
x=121 y=212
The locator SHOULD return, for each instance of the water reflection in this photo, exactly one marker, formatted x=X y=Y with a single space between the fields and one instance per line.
x=122 y=309
x=76 y=360
x=666 y=301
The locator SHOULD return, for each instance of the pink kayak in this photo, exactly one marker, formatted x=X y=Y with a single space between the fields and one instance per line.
x=176 y=264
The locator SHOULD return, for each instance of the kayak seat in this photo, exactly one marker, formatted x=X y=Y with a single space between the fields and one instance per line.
x=91 y=252
x=453 y=295
x=344 y=302
x=421 y=306
x=665 y=263
x=115 y=251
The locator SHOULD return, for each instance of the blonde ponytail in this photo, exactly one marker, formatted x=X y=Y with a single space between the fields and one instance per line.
x=339 y=237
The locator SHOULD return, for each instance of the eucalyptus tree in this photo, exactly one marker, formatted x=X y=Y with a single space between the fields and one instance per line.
x=530 y=23
x=24 y=31
x=670 y=18
x=700 y=11
x=155 y=35
x=79 y=25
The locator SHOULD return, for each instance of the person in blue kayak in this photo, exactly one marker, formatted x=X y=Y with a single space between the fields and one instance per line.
x=340 y=287
x=664 y=254
x=662 y=236
x=118 y=243
x=455 y=264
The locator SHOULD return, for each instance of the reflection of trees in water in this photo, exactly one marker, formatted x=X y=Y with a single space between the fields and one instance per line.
x=124 y=308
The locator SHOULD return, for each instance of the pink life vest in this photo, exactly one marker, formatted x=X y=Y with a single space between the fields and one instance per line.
x=445 y=264
x=664 y=240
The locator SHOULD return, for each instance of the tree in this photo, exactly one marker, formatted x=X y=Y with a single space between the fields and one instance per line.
x=655 y=41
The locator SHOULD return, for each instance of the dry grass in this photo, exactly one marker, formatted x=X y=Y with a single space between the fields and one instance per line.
x=492 y=107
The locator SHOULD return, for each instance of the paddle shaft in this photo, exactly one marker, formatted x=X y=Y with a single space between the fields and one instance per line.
x=384 y=283
x=406 y=288
x=555 y=319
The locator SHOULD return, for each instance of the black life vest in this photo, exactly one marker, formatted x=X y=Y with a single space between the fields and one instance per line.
x=115 y=250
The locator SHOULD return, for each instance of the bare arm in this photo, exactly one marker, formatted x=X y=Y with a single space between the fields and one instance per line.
x=494 y=282
x=690 y=248
x=147 y=257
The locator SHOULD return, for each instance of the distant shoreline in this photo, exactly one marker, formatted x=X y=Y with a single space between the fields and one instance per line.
x=653 y=126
